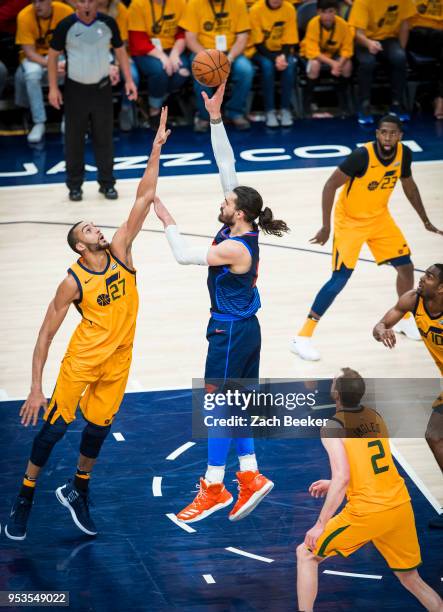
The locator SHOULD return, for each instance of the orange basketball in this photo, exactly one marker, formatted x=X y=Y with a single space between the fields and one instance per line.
x=211 y=67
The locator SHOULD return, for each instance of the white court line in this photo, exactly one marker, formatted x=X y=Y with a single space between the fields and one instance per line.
x=415 y=478
x=118 y=436
x=178 y=451
x=157 y=486
x=244 y=553
x=210 y=579
x=175 y=520
x=371 y=576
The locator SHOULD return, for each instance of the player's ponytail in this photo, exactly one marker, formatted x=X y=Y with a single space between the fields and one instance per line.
x=270 y=225
x=251 y=203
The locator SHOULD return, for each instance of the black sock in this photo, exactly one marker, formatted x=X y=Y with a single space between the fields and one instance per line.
x=28 y=488
x=81 y=481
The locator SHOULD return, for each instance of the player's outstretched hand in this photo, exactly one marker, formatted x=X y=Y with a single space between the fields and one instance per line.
x=213 y=105
x=387 y=336
x=162 y=212
x=162 y=133
x=432 y=228
x=30 y=410
x=321 y=237
x=319 y=488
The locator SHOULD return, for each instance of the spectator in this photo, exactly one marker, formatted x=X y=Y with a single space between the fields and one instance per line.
x=3 y=77
x=222 y=25
x=426 y=38
x=328 y=46
x=157 y=45
x=381 y=34
x=274 y=33
x=9 y=9
x=88 y=92
x=35 y=25
x=119 y=12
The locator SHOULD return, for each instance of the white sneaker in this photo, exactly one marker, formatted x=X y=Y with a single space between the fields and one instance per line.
x=272 y=119
x=286 y=119
x=303 y=347
x=37 y=133
x=409 y=328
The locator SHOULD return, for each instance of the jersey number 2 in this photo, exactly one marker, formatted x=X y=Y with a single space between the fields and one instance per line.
x=378 y=469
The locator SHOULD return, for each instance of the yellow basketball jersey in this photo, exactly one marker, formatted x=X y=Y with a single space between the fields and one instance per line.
x=431 y=329
x=375 y=483
x=368 y=196
x=108 y=305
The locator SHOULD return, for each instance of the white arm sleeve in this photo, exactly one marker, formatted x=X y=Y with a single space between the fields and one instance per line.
x=224 y=156
x=183 y=253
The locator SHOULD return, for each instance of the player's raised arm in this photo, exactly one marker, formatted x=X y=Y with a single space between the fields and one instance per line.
x=228 y=252
x=124 y=236
x=223 y=153
x=383 y=331
x=66 y=293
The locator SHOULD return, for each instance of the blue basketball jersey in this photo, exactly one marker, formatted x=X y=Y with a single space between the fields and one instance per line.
x=235 y=296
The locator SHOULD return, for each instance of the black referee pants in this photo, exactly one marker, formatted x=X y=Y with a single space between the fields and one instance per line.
x=84 y=103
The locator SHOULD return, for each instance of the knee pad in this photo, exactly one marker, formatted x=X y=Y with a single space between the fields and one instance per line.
x=93 y=437
x=45 y=441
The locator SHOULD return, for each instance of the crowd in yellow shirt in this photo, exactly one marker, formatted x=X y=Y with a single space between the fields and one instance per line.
x=255 y=33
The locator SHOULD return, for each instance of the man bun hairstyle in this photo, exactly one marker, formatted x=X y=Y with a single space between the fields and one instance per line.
x=250 y=202
x=72 y=240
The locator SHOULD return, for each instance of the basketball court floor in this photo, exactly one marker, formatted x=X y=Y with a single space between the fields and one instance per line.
x=142 y=559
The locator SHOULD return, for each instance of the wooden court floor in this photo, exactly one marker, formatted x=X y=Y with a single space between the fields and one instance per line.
x=170 y=344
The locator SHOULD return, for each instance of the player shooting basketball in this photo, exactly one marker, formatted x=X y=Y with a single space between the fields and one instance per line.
x=233 y=331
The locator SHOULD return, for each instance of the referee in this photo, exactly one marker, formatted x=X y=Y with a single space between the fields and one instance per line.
x=86 y=38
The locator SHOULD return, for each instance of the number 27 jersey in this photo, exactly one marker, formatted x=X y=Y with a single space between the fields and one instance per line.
x=108 y=305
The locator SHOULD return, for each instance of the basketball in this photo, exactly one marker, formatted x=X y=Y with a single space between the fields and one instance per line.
x=211 y=67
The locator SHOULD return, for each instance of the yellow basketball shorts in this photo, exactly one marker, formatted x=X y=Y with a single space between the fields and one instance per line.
x=392 y=532
x=98 y=391
x=382 y=235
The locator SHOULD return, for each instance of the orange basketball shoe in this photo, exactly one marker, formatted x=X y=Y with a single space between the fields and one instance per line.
x=209 y=499
x=252 y=488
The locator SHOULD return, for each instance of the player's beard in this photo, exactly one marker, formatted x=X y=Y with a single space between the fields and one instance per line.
x=227 y=220
x=100 y=246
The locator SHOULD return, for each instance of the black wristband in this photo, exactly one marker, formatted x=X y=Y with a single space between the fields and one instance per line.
x=215 y=121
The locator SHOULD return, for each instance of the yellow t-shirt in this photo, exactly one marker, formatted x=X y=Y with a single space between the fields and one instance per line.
x=339 y=40
x=375 y=484
x=273 y=27
x=380 y=19
x=122 y=20
x=146 y=16
x=431 y=330
x=108 y=305
x=216 y=18
x=429 y=15
x=38 y=32
x=367 y=196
